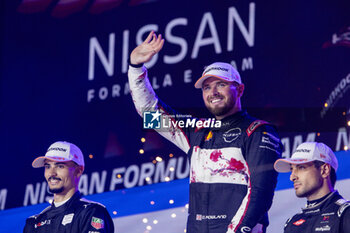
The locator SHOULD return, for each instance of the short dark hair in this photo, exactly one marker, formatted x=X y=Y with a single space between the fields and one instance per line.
x=333 y=175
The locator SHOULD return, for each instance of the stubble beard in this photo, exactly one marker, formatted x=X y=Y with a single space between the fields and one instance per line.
x=307 y=192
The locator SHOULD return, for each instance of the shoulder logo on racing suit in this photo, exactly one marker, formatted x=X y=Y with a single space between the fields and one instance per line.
x=299 y=222
x=342 y=208
x=97 y=223
x=232 y=134
x=270 y=142
x=254 y=125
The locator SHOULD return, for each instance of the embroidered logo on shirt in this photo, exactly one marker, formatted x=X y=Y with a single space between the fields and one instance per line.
x=270 y=140
x=231 y=135
x=246 y=229
x=324 y=228
x=67 y=219
x=329 y=213
x=97 y=223
x=299 y=222
x=200 y=217
x=253 y=126
x=209 y=136
x=42 y=223
x=312 y=211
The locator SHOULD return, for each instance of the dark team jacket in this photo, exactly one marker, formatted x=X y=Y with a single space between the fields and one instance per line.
x=77 y=215
x=331 y=215
x=232 y=179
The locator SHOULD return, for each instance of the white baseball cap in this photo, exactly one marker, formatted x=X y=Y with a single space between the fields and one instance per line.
x=308 y=152
x=61 y=152
x=221 y=70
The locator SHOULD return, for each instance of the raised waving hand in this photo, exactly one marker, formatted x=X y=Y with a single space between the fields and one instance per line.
x=145 y=51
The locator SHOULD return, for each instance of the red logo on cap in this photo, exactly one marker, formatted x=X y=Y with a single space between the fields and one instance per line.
x=299 y=222
x=299 y=160
x=322 y=156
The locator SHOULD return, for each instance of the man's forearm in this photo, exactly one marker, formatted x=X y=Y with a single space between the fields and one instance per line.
x=141 y=90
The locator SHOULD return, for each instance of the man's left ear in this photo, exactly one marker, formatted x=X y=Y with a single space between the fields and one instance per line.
x=240 y=90
x=79 y=171
x=326 y=170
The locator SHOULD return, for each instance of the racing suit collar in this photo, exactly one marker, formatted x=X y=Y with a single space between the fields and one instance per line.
x=231 y=119
x=76 y=195
x=319 y=203
x=234 y=117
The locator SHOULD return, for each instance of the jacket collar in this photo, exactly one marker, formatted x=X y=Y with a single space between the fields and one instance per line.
x=236 y=117
x=315 y=207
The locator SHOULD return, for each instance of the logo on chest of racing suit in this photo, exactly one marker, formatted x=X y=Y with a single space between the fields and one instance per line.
x=323 y=228
x=232 y=134
x=42 y=223
x=68 y=218
x=326 y=217
x=299 y=222
x=209 y=136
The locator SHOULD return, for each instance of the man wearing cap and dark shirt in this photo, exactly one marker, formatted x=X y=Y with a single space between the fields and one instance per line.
x=232 y=179
x=69 y=212
x=313 y=166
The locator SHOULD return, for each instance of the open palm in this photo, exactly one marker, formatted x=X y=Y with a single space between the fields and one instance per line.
x=145 y=51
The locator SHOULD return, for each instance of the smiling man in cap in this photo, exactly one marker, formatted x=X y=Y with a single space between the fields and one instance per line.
x=232 y=179
x=222 y=89
x=69 y=212
x=313 y=168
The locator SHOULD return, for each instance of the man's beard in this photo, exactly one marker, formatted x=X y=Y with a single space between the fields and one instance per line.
x=306 y=192
x=56 y=190
x=219 y=111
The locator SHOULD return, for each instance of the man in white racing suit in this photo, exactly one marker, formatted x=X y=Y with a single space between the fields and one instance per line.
x=232 y=179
